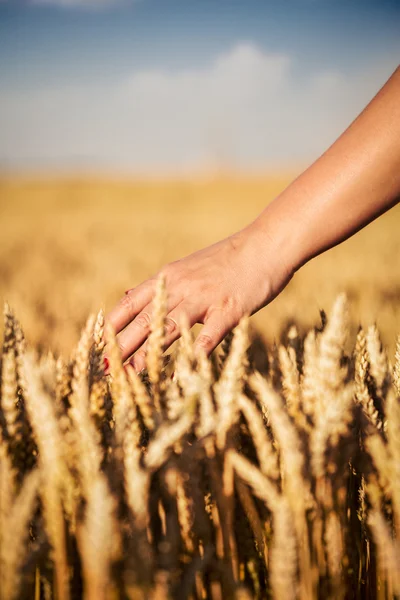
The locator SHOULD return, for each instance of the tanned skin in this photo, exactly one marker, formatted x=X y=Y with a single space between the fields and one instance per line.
x=351 y=184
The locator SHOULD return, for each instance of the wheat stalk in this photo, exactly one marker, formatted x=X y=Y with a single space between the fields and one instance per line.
x=52 y=465
x=155 y=344
x=215 y=482
x=14 y=530
x=231 y=382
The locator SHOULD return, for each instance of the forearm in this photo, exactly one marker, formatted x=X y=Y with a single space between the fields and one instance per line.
x=354 y=181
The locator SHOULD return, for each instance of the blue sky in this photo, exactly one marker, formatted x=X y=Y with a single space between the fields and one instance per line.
x=176 y=85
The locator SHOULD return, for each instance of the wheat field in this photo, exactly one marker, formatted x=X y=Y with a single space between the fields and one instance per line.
x=270 y=470
x=201 y=478
x=71 y=246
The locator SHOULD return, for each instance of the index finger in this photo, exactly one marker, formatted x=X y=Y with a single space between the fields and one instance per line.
x=130 y=305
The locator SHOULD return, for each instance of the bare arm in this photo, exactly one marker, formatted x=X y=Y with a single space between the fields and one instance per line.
x=354 y=181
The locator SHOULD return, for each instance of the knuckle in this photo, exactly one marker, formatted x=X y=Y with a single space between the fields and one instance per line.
x=170 y=326
x=127 y=303
x=143 y=320
x=122 y=347
x=166 y=271
x=231 y=308
x=205 y=341
x=216 y=319
x=170 y=272
x=230 y=304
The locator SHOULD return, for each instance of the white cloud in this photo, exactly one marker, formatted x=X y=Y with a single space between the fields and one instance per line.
x=247 y=109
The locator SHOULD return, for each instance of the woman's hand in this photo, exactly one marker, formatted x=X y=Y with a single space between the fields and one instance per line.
x=215 y=286
x=354 y=181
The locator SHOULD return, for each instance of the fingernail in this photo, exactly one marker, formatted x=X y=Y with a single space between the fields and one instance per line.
x=106 y=364
x=127 y=291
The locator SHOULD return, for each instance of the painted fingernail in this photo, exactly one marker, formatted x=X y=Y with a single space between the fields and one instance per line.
x=106 y=364
x=127 y=291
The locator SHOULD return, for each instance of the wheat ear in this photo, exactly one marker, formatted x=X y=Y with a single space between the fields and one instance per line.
x=393 y=437
x=98 y=385
x=378 y=358
x=361 y=374
x=291 y=386
x=51 y=461
x=231 y=381
x=15 y=531
x=388 y=552
x=155 y=344
x=267 y=457
x=98 y=540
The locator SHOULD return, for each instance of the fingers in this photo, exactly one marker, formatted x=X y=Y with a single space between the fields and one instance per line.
x=137 y=332
x=216 y=326
x=172 y=331
x=130 y=305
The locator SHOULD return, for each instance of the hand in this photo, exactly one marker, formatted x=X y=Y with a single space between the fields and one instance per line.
x=215 y=286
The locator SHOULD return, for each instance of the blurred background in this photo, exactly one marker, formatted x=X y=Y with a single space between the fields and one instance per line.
x=133 y=132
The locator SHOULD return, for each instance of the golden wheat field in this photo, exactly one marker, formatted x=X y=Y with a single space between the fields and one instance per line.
x=270 y=470
x=71 y=246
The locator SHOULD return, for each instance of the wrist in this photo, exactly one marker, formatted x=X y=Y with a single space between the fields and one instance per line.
x=278 y=241
x=269 y=256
